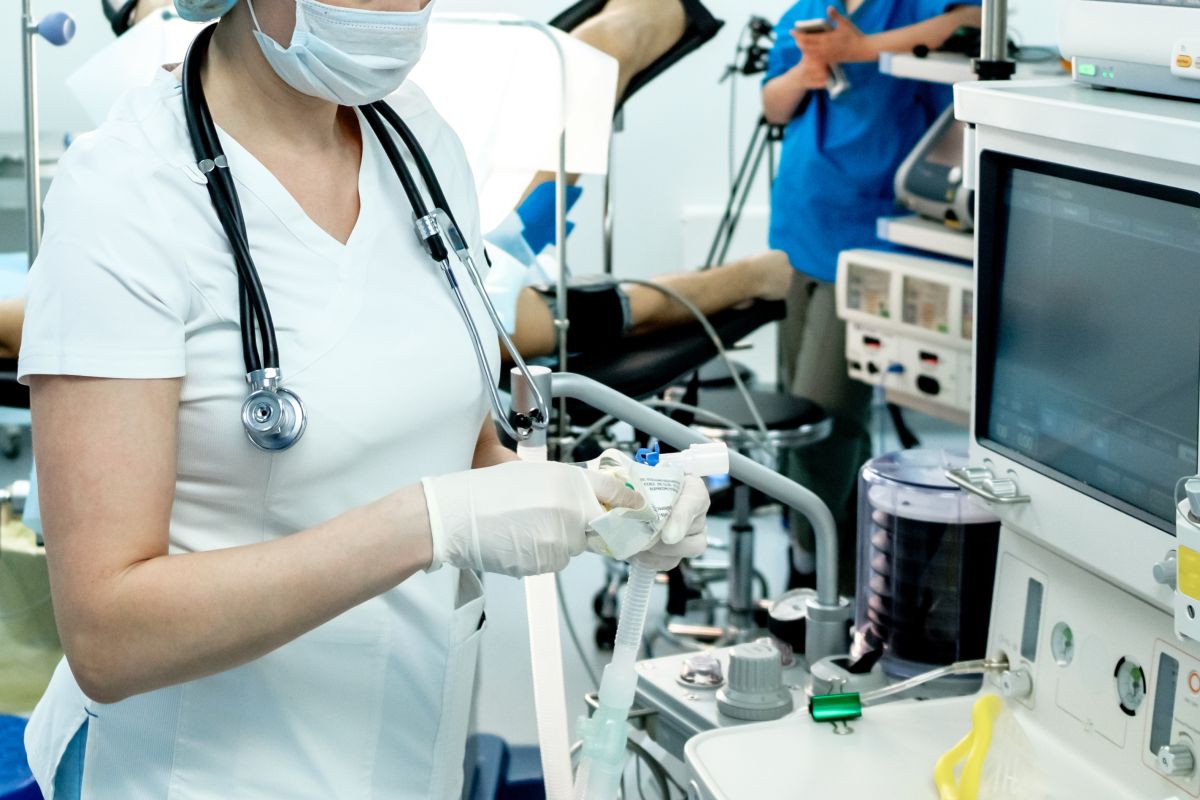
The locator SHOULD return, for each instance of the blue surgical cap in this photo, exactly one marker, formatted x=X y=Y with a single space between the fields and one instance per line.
x=203 y=10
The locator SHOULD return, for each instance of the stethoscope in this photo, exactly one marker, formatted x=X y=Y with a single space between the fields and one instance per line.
x=273 y=415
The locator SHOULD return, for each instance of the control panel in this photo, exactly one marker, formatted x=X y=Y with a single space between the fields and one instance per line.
x=1182 y=572
x=1185 y=59
x=909 y=323
x=1172 y=740
x=1103 y=674
x=690 y=693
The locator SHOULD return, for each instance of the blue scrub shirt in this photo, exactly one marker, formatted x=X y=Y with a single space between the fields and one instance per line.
x=839 y=157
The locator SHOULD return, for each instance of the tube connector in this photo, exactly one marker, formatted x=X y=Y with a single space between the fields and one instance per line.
x=604 y=735
x=429 y=231
x=526 y=415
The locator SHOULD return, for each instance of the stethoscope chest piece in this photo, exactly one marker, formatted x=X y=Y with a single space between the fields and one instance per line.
x=274 y=417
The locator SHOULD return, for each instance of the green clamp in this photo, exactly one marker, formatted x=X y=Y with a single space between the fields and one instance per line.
x=835 y=707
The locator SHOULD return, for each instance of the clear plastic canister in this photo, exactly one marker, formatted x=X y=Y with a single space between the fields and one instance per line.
x=926 y=563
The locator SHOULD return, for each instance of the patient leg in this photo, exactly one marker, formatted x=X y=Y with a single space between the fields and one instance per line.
x=534 y=334
x=763 y=277
x=12 y=317
x=634 y=32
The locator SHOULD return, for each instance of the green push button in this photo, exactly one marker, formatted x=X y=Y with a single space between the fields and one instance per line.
x=1087 y=70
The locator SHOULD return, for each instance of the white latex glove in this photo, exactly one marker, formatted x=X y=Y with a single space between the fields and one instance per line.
x=685 y=533
x=520 y=518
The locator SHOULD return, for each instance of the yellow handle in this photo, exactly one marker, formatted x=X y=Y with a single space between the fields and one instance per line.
x=974 y=747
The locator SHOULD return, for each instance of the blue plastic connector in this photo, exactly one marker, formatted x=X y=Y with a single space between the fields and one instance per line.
x=648 y=456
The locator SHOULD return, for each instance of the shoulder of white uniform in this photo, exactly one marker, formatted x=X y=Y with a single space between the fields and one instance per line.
x=411 y=102
x=416 y=109
x=142 y=139
x=431 y=129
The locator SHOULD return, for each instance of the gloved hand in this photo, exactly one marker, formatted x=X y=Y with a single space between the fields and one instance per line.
x=684 y=534
x=520 y=518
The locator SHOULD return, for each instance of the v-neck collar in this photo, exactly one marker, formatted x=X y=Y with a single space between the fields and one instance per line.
x=253 y=177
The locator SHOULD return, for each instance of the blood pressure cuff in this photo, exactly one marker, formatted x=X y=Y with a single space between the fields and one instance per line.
x=598 y=309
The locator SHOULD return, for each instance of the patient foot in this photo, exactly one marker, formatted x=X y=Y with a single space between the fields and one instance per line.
x=634 y=32
x=770 y=275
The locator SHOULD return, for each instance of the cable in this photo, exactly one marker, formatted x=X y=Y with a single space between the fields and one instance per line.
x=718 y=419
x=653 y=764
x=908 y=439
x=588 y=433
x=977 y=666
x=716 y=340
x=573 y=635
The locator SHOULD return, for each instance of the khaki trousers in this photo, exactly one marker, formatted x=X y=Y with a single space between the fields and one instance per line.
x=812 y=351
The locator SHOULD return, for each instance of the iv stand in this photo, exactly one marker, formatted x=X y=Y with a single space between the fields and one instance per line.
x=57 y=28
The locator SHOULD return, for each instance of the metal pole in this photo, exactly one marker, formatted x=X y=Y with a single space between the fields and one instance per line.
x=33 y=172
x=609 y=202
x=994 y=34
x=993 y=63
x=741 y=565
x=561 y=322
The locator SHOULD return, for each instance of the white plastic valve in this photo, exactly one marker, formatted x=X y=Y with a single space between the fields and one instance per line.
x=1166 y=572
x=702 y=460
x=754 y=689
x=1016 y=683
x=1176 y=759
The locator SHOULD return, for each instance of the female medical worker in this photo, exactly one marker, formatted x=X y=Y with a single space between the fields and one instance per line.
x=303 y=623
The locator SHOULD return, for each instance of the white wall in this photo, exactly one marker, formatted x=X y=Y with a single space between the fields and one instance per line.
x=1033 y=21
x=672 y=153
x=59 y=111
x=670 y=162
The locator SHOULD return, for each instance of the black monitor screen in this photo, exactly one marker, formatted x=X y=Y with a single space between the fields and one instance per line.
x=1089 y=330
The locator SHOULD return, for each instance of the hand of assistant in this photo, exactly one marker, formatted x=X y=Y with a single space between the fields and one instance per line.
x=844 y=43
x=521 y=518
x=685 y=533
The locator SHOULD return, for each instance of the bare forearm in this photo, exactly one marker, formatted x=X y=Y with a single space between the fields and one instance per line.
x=492 y=455
x=488 y=450
x=931 y=33
x=781 y=96
x=174 y=618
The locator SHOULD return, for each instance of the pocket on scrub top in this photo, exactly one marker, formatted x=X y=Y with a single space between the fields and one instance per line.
x=301 y=721
x=467 y=624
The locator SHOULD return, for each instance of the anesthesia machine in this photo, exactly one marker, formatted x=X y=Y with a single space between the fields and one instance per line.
x=1084 y=403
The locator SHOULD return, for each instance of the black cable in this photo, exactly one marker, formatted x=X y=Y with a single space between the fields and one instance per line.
x=908 y=439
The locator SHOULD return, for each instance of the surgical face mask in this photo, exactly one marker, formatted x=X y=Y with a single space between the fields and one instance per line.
x=349 y=56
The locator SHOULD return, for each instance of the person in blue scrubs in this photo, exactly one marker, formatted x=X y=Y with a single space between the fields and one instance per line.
x=838 y=161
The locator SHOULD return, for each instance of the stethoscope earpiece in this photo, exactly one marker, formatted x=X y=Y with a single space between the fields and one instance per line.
x=274 y=417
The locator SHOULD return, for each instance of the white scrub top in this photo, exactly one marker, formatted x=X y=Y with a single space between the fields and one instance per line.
x=135 y=280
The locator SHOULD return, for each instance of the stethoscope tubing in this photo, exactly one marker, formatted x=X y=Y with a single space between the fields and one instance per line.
x=434 y=232
x=207 y=146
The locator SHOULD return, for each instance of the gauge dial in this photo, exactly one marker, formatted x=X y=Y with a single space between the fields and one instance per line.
x=1131 y=685
x=1062 y=644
